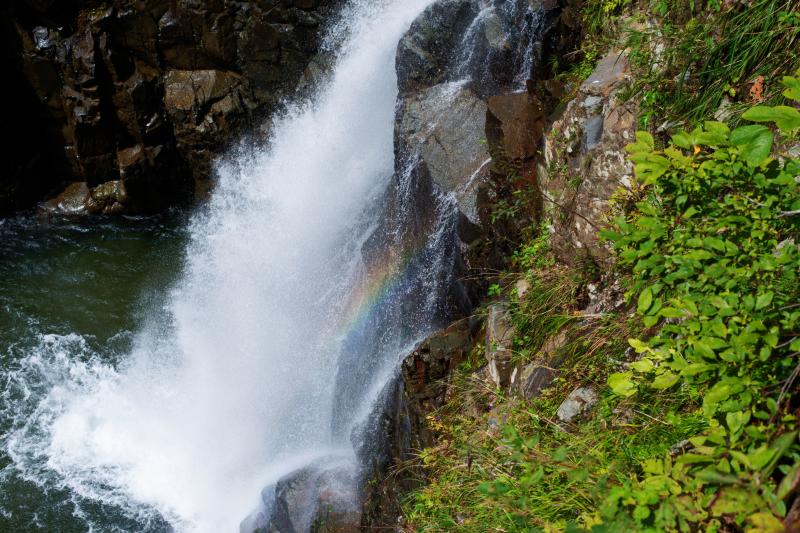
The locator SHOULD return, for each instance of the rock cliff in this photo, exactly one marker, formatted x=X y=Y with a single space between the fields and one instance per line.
x=134 y=98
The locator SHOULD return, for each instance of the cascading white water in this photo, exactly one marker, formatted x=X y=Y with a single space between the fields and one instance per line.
x=234 y=387
x=317 y=264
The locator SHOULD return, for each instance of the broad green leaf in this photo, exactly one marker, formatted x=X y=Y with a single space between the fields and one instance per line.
x=761 y=457
x=763 y=300
x=733 y=500
x=641 y=512
x=792 y=87
x=643 y=365
x=717 y=394
x=736 y=421
x=711 y=475
x=785 y=117
x=715 y=343
x=650 y=321
x=649 y=167
x=754 y=142
x=767 y=461
x=665 y=381
x=704 y=349
x=644 y=143
x=682 y=140
x=671 y=312
x=638 y=345
x=622 y=384
x=765 y=523
x=697 y=368
x=717 y=128
x=645 y=301
x=790 y=482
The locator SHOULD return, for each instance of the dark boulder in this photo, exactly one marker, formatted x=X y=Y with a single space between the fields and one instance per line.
x=399 y=427
x=425 y=51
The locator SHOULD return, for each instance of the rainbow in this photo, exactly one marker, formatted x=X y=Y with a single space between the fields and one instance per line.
x=381 y=281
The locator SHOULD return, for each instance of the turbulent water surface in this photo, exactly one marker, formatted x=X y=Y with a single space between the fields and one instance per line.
x=156 y=378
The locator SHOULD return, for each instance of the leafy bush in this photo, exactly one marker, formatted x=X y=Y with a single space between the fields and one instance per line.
x=700 y=431
x=712 y=249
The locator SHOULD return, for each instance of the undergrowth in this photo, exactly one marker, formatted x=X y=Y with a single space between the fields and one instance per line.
x=693 y=59
x=696 y=428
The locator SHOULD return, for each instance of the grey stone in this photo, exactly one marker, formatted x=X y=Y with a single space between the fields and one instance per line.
x=592 y=132
x=579 y=402
x=499 y=341
x=444 y=125
x=426 y=49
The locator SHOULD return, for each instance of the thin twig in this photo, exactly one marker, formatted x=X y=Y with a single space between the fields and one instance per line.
x=786 y=387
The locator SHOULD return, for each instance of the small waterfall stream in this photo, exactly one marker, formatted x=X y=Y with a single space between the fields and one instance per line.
x=313 y=268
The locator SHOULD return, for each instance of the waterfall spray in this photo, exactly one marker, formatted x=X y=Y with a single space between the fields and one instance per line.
x=237 y=388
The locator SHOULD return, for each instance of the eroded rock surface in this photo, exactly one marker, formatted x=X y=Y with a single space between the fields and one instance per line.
x=586 y=162
x=444 y=126
x=579 y=402
x=144 y=92
x=499 y=343
x=403 y=428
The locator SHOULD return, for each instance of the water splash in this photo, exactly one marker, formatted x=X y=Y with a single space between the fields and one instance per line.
x=235 y=384
x=300 y=291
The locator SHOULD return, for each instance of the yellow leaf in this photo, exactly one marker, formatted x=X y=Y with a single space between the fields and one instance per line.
x=765 y=523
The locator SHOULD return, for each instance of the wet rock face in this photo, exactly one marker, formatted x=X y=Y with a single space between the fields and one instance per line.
x=401 y=426
x=144 y=92
x=462 y=68
x=431 y=44
x=314 y=499
x=425 y=370
x=444 y=125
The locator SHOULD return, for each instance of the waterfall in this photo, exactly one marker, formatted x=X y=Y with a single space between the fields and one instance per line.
x=312 y=270
x=233 y=386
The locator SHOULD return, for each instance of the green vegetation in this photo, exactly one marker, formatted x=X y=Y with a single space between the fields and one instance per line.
x=697 y=426
x=711 y=57
x=714 y=262
x=693 y=59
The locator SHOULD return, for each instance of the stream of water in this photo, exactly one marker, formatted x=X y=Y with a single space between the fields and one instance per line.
x=165 y=374
x=173 y=410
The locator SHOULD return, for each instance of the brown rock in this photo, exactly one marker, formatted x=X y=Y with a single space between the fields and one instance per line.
x=192 y=90
x=174 y=79
x=541 y=372
x=433 y=360
x=108 y=198
x=585 y=162
x=607 y=75
x=72 y=201
x=515 y=122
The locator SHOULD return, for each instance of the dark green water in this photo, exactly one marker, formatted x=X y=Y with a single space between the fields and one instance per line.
x=79 y=289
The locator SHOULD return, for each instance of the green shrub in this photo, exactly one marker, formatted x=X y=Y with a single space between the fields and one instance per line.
x=714 y=261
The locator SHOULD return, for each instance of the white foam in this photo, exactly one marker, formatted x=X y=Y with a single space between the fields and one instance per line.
x=212 y=406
